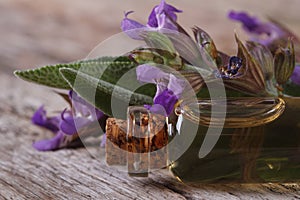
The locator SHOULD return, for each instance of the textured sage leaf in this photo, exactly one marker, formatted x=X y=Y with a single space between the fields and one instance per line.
x=109 y=68
x=103 y=94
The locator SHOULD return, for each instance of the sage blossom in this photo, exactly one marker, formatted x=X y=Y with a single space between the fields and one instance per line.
x=262 y=32
x=162 y=16
x=68 y=122
x=40 y=118
x=168 y=88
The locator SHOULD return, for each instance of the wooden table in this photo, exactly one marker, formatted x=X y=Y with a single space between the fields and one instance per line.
x=73 y=173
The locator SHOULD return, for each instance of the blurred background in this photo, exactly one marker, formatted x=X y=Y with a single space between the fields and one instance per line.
x=39 y=32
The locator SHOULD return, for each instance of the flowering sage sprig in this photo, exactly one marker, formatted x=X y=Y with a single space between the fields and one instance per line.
x=72 y=124
x=170 y=61
x=67 y=124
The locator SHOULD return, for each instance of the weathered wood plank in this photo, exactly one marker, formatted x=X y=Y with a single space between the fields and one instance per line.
x=76 y=174
x=32 y=32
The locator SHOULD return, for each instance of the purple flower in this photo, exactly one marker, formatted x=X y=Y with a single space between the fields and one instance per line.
x=81 y=108
x=40 y=118
x=296 y=75
x=163 y=103
x=162 y=16
x=168 y=88
x=50 y=144
x=259 y=30
x=67 y=123
x=131 y=27
x=70 y=124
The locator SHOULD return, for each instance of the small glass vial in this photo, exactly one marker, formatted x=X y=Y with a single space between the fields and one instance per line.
x=138 y=145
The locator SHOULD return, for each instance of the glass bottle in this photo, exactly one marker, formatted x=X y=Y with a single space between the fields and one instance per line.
x=257 y=140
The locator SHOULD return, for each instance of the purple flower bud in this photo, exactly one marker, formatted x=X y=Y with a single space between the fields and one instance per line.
x=164 y=103
x=249 y=23
x=161 y=16
x=40 y=118
x=257 y=29
x=50 y=144
x=128 y=26
x=70 y=125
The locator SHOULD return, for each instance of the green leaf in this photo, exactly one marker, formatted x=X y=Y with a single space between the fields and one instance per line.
x=103 y=94
x=107 y=68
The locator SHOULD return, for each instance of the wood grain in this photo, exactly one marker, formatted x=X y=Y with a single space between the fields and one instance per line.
x=75 y=174
x=39 y=32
